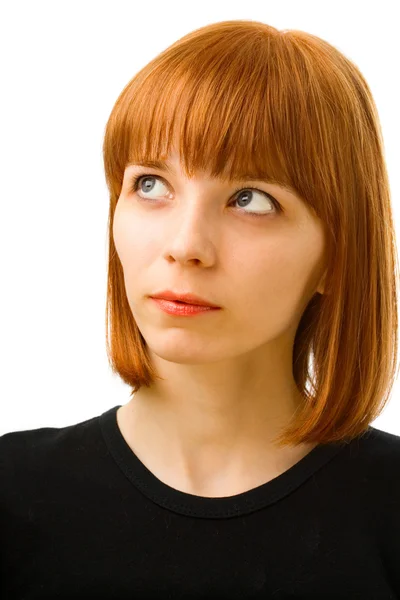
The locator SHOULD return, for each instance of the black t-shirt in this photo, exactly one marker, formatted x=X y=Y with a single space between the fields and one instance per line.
x=82 y=517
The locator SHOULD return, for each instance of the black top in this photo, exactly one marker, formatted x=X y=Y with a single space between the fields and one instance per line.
x=82 y=517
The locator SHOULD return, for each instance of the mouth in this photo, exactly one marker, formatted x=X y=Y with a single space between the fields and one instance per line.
x=182 y=308
x=184 y=299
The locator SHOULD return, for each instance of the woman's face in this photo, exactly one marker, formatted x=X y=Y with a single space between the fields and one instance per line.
x=200 y=236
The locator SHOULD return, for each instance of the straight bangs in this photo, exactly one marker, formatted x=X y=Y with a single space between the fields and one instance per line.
x=232 y=106
x=241 y=100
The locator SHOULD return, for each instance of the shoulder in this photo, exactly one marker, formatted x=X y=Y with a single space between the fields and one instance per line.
x=373 y=463
x=35 y=443
x=380 y=440
x=28 y=456
x=379 y=448
x=365 y=472
x=377 y=454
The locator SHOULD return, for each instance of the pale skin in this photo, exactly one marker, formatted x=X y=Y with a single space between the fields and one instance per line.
x=228 y=386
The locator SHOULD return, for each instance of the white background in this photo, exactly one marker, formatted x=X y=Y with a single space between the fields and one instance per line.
x=63 y=65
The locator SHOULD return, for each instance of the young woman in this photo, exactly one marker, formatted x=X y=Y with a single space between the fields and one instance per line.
x=252 y=310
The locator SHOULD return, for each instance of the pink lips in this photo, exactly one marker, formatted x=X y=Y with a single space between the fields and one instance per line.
x=184 y=297
x=182 y=310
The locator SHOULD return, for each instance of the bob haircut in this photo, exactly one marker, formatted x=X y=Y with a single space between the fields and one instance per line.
x=247 y=101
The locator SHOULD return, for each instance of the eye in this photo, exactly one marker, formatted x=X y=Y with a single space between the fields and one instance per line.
x=148 y=185
x=245 y=197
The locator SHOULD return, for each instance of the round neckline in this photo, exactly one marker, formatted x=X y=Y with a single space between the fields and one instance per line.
x=210 y=507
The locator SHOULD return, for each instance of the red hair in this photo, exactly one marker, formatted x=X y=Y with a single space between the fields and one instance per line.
x=289 y=106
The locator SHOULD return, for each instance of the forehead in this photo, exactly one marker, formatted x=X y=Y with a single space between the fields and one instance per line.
x=171 y=164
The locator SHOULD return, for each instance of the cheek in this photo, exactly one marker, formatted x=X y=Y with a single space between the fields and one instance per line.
x=130 y=239
x=274 y=289
x=118 y=232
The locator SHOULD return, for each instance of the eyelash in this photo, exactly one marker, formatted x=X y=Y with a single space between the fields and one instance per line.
x=279 y=209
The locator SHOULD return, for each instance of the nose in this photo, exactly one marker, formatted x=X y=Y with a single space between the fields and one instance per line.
x=192 y=236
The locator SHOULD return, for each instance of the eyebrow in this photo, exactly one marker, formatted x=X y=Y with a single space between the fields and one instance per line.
x=168 y=168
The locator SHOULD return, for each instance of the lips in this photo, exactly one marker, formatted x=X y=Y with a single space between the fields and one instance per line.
x=185 y=298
